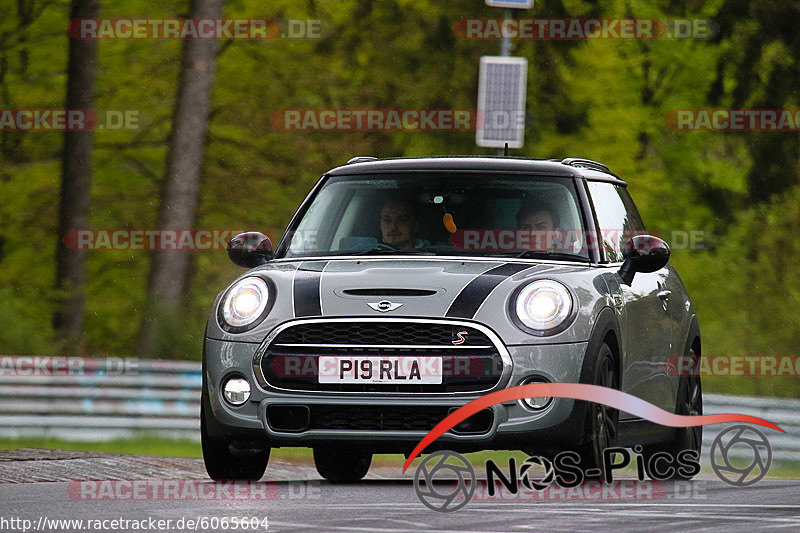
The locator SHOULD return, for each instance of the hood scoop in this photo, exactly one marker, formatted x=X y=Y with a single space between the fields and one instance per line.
x=388 y=293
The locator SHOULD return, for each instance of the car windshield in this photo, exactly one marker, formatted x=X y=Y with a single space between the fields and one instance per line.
x=441 y=214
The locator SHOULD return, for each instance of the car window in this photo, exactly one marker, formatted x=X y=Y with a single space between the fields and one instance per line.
x=637 y=224
x=617 y=217
x=442 y=214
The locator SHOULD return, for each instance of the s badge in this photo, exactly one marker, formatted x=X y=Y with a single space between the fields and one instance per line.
x=461 y=337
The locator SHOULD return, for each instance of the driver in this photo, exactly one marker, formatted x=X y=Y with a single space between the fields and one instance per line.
x=399 y=223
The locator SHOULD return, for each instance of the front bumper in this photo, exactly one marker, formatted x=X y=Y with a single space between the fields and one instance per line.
x=513 y=426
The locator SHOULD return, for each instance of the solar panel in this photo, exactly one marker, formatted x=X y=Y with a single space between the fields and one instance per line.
x=501 y=102
x=518 y=4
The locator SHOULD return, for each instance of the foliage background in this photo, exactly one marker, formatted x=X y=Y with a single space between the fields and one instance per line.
x=604 y=100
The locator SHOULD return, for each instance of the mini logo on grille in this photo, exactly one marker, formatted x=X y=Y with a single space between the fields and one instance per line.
x=384 y=306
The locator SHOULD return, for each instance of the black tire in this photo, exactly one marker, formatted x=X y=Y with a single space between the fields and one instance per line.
x=689 y=402
x=224 y=462
x=602 y=422
x=338 y=465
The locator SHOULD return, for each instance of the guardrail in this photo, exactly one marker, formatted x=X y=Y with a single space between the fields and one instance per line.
x=163 y=398
x=784 y=412
x=160 y=398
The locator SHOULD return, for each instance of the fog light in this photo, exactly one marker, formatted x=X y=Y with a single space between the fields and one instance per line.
x=536 y=403
x=236 y=391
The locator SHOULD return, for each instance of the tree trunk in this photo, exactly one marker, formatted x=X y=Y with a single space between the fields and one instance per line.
x=168 y=277
x=75 y=185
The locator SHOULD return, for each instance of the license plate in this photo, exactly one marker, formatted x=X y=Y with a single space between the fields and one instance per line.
x=399 y=370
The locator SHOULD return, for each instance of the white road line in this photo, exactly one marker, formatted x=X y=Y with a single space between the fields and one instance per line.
x=409 y=522
x=560 y=505
x=658 y=514
x=550 y=528
x=644 y=504
x=328 y=527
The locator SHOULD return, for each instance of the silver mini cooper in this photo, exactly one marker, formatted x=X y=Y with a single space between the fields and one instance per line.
x=404 y=288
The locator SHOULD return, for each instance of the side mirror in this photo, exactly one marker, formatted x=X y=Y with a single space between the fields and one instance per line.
x=643 y=253
x=250 y=249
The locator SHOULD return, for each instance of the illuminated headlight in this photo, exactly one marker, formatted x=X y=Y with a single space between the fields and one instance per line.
x=245 y=302
x=539 y=402
x=543 y=305
x=236 y=391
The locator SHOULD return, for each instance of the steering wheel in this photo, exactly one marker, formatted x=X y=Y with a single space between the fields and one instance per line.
x=384 y=246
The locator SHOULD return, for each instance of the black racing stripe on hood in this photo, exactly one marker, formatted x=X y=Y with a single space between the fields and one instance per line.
x=472 y=296
x=306 y=288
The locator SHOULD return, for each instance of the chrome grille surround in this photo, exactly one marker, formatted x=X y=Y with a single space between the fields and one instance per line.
x=496 y=345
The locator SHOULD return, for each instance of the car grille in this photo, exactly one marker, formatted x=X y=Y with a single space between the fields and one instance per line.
x=376 y=418
x=290 y=361
x=393 y=418
x=384 y=333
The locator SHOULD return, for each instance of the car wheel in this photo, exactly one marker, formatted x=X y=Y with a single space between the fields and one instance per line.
x=689 y=402
x=338 y=465
x=224 y=462
x=602 y=422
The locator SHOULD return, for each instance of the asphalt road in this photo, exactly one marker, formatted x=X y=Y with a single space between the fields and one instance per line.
x=44 y=486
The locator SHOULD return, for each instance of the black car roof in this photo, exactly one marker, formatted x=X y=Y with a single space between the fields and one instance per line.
x=581 y=168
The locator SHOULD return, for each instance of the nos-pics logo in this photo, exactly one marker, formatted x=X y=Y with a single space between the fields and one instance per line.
x=740 y=456
x=443 y=496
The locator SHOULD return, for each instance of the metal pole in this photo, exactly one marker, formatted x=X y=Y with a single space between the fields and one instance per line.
x=505 y=44
x=505 y=51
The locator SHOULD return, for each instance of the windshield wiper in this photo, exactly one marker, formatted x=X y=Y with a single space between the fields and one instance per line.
x=544 y=254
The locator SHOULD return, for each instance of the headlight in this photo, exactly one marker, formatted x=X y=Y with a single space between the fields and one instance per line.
x=543 y=305
x=245 y=302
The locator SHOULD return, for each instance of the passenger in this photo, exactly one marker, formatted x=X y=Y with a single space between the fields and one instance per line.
x=541 y=220
x=537 y=216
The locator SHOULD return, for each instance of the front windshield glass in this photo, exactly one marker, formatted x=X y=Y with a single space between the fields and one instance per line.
x=441 y=214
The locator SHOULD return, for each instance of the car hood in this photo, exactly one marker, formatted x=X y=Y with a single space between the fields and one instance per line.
x=431 y=287
x=470 y=290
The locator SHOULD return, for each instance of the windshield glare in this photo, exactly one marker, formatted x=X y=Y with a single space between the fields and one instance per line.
x=441 y=214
